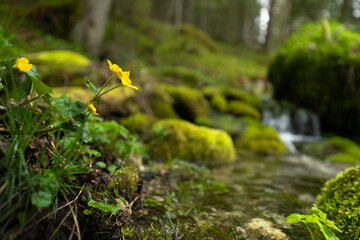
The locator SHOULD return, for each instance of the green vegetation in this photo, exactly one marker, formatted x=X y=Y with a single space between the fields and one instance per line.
x=240 y=108
x=318 y=68
x=178 y=139
x=335 y=149
x=339 y=200
x=320 y=219
x=260 y=140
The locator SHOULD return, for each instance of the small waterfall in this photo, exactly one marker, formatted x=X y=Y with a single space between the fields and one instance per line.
x=293 y=125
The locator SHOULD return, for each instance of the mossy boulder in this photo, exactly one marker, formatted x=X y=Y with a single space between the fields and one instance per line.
x=189 y=103
x=160 y=102
x=138 y=123
x=231 y=93
x=122 y=101
x=178 y=139
x=337 y=149
x=318 y=68
x=219 y=103
x=185 y=75
x=58 y=66
x=240 y=108
x=339 y=199
x=260 y=139
x=227 y=122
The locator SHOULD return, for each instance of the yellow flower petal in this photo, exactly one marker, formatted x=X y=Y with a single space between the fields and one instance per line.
x=23 y=64
x=123 y=76
x=92 y=108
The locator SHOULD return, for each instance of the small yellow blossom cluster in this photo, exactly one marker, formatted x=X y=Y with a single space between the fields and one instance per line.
x=23 y=64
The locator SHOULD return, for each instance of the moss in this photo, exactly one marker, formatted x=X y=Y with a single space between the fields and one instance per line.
x=343 y=157
x=227 y=122
x=125 y=181
x=161 y=103
x=260 y=140
x=188 y=103
x=121 y=101
x=139 y=123
x=240 y=108
x=185 y=75
x=219 y=102
x=244 y=96
x=58 y=66
x=136 y=233
x=62 y=58
x=199 y=36
x=321 y=73
x=182 y=140
x=335 y=149
x=340 y=200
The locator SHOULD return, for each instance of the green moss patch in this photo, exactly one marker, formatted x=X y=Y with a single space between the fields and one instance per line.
x=321 y=72
x=240 y=108
x=188 y=103
x=182 y=140
x=340 y=200
x=260 y=140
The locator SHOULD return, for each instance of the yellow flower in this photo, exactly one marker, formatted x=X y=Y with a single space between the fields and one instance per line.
x=123 y=76
x=23 y=64
x=92 y=108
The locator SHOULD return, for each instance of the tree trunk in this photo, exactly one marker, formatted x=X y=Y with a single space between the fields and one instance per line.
x=269 y=35
x=346 y=11
x=90 y=29
x=190 y=11
x=178 y=14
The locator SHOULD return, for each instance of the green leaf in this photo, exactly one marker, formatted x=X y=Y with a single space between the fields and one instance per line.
x=23 y=90
x=293 y=218
x=41 y=199
x=328 y=234
x=87 y=212
x=40 y=87
x=68 y=108
x=105 y=207
x=111 y=168
x=101 y=164
x=86 y=135
x=92 y=87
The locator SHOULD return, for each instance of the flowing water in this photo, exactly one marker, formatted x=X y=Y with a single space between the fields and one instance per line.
x=265 y=190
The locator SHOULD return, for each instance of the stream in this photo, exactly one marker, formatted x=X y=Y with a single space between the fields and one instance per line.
x=264 y=191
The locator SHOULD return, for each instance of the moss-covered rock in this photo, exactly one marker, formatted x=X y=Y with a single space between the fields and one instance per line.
x=179 y=139
x=335 y=149
x=58 y=66
x=231 y=93
x=122 y=101
x=219 y=103
x=125 y=181
x=321 y=72
x=227 y=122
x=138 y=123
x=189 y=103
x=240 y=108
x=160 y=102
x=260 y=139
x=185 y=75
x=340 y=200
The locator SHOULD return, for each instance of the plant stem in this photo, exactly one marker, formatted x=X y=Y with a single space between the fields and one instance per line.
x=21 y=105
x=311 y=234
x=50 y=129
x=102 y=88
